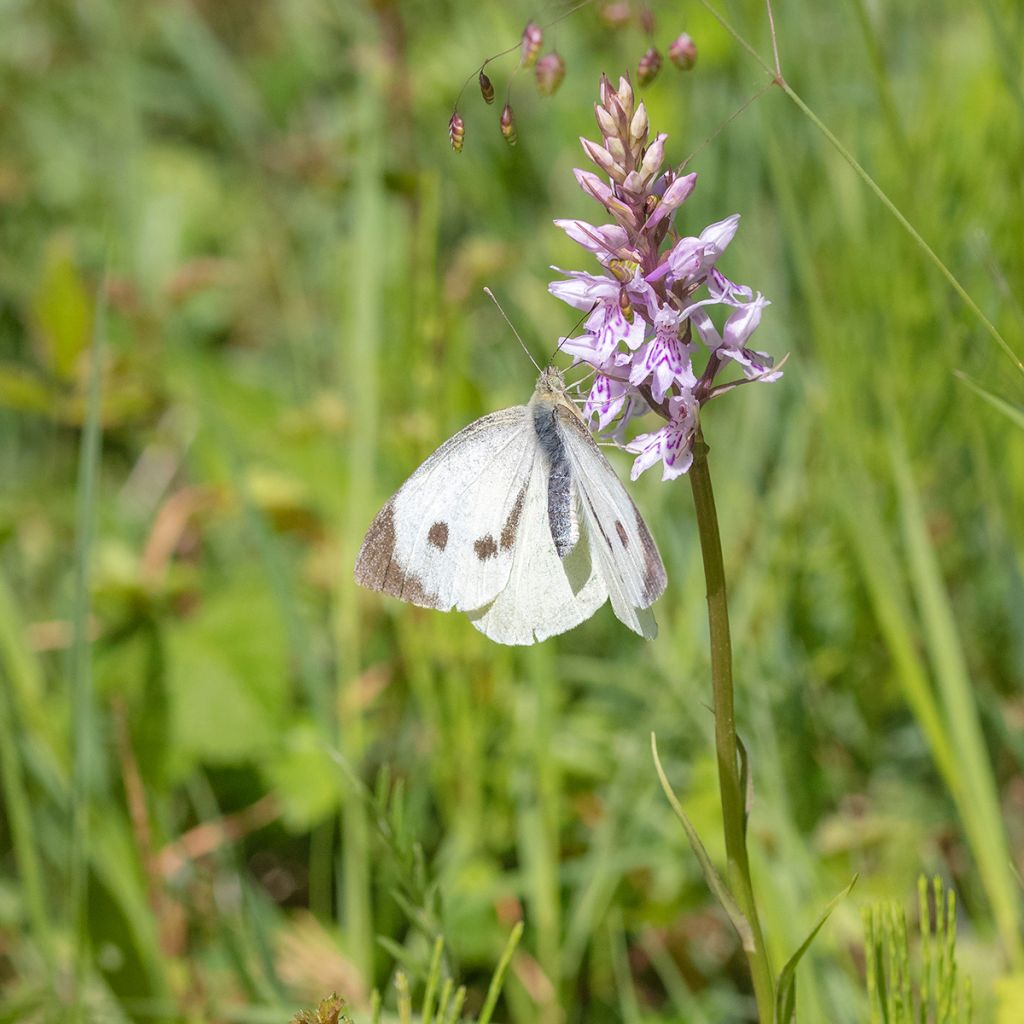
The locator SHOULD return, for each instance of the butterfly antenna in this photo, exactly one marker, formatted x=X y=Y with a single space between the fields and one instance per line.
x=558 y=347
x=529 y=355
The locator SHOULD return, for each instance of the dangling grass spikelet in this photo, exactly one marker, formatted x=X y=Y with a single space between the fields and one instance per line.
x=486 y=88
x=550 y=71
x=649 y=66
x=530 y=46
x=456 y=131
x=508 y=125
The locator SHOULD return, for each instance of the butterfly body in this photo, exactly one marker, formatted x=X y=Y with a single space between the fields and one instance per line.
x=519 y=521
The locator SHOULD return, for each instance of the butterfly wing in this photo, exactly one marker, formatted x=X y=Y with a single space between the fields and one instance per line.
x=622 y=547
x=446 y=538
x=545 y=595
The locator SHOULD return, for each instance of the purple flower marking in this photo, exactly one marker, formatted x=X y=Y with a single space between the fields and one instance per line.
x=672 y=444
x=607 y=325
x=664 y=356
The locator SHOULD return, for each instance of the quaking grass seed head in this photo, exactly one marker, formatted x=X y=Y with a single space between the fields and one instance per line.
x=486 y=88
x=530 y=44
x=550 y=72
x=649 y=66
x=456 y=131
x=615 y=15
x=683 y=52
x=507 y=123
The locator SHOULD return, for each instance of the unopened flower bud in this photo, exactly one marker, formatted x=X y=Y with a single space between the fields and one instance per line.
x=530 y=44
x=647 y=20
x=603 y=159
x=625 y=95
x=683 y=52
x=456 y=131
x=653 y=158
x=638 y=127
x=550 y=71
x=486 y=89
x=508 y=125
x=649 y=66
x=608 y=125
x=618 y=151
x=615 y=15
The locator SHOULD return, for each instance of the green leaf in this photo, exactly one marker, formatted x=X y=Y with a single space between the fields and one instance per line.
x=785 y=991
x=711 y=876
x=62 y=311
x=304 y=778
x=228 y=676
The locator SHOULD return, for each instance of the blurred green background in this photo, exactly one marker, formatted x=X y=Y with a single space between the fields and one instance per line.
x=231 y=783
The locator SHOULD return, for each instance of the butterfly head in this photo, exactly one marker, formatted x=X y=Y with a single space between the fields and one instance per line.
x=550 y=382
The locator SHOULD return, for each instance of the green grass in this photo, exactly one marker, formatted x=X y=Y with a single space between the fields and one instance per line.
x=295 y=318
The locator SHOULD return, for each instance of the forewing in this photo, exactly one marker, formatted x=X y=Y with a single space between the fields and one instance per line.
x=623 y=548
x=545 y=595
x=446 y=538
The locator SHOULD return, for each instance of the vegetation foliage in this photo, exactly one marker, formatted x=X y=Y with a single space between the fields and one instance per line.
x=241 y=281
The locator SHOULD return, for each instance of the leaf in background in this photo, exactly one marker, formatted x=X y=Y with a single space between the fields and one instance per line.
x=22 y=389
x=304 y=777
x=785 y=993
x=228 y=676
x=61 y=311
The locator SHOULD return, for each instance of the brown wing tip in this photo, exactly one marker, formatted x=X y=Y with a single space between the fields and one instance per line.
x=377 y=567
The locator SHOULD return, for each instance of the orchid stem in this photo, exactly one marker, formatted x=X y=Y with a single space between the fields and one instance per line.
x=726 y=743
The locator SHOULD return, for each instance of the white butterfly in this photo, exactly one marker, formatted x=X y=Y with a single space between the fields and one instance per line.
x=519 y=521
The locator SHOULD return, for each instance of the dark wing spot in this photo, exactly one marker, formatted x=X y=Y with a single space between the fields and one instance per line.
x=377 y=568
x=508 y=531
x=438 y=535
x=485 y=548
x=621 y=531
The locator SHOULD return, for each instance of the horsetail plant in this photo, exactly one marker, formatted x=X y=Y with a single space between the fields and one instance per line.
x=907 y=990
x=442 y=999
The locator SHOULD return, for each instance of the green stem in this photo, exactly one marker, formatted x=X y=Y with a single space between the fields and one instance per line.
x=726 y=744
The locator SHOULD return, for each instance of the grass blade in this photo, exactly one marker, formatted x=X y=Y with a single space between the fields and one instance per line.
x=80 y=660
x=711 y=875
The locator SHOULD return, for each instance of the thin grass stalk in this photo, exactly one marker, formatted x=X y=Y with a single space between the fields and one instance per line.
x=457 y=1004
x=80 y=665
x=433 y=975
x=358 y=345
x=925 y=918
x=726 y=746
x=404 y=997
x=444 y=1000
x=498 y=978
x=27 y=855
